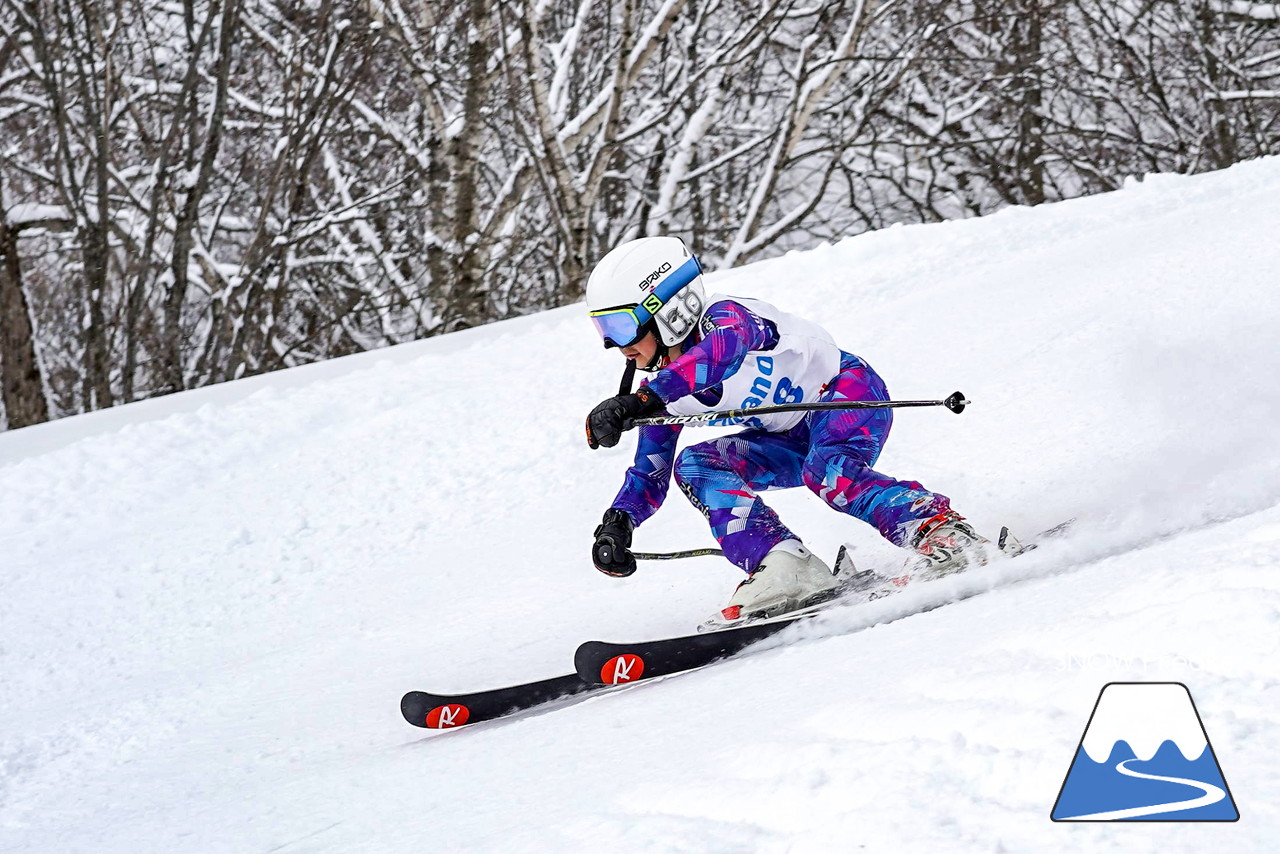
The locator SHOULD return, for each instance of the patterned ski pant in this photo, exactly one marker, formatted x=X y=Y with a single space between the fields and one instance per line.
x=829 y=452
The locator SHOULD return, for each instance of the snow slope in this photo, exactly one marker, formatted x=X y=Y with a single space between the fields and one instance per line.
x=210 y=604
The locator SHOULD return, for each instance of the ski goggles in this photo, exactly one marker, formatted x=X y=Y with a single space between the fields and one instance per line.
x=624 y=326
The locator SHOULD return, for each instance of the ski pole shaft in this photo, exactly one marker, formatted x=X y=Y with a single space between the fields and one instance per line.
x=676 y=555
x=955 y=402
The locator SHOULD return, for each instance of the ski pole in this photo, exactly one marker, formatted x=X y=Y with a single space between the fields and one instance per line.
x=955 y=402
x=676 y=555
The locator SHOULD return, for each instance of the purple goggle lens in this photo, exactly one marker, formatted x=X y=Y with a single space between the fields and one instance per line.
x=619 y=327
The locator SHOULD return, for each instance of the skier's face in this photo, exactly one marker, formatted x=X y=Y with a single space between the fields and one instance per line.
x=642 y=351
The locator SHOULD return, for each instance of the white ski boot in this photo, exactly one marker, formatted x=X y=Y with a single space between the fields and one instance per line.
x=947 y=544
x=790 y=577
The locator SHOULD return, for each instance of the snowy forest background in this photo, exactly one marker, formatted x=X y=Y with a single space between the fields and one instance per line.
x=196 y=191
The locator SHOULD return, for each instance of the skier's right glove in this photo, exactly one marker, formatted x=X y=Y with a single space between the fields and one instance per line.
x=608 y=420
x=611 y=552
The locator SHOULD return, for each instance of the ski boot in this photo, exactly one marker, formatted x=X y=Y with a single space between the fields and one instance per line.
x=947 y=544
x=789 y=577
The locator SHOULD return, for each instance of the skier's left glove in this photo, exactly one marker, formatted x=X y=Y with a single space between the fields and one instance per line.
x=609 y=419
x=611 y=552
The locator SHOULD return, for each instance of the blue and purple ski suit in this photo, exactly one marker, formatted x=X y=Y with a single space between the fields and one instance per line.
x=830 y=452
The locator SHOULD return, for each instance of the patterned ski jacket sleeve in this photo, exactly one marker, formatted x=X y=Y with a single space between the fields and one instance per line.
x=645 y=486
x=729 y=332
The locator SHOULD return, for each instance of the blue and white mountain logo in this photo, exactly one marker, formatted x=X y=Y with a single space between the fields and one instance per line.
x=1145 y=756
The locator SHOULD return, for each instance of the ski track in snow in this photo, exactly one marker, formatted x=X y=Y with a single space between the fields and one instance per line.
x=211 y=603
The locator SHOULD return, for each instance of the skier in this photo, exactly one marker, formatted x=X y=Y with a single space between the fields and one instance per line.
x=646 y=299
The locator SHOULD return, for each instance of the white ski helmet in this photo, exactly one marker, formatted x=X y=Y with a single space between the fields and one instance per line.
x=649 y=283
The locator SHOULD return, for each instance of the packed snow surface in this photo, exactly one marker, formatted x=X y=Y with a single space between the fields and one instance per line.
x=212 y=603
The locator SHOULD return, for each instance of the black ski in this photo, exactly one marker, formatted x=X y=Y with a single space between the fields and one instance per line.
x=600 y=664
x=604 y=663
x=449 y=711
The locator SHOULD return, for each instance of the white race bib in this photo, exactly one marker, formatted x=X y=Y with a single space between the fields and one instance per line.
x=795 y=371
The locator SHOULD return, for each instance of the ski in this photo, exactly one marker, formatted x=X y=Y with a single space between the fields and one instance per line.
x=449 y=711
x=605 y=663
x=599 y=664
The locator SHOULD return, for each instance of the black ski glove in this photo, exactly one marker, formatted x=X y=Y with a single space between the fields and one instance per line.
x=611 y=553
x=607 y=421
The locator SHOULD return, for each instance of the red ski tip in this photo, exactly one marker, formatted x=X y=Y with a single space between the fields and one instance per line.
x=447 y=717
x=621 y=669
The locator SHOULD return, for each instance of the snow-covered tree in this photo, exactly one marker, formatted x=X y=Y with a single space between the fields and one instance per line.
x=198 y=190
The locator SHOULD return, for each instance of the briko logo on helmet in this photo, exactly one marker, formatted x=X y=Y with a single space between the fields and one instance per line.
x=654 y=276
